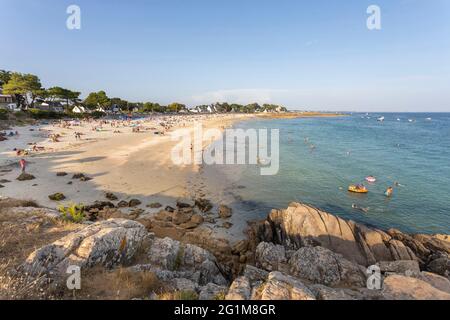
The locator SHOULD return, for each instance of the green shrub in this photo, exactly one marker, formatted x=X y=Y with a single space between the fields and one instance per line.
x=73 y=213
x=97 y=114
x=185 y=295
x=179 y=258
x=220 y=296
x=3 y=114
x=43 y=114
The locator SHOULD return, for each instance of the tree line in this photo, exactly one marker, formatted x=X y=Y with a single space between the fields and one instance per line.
x=27 y=89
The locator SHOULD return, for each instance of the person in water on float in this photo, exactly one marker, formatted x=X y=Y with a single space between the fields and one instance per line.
x=389 y=192
x=23 y=164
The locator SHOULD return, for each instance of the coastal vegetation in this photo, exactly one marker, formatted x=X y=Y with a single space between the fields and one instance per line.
x=57 y=102
x=72 y=213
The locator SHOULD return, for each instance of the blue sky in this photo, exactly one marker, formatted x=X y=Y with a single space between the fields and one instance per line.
x=303 y=54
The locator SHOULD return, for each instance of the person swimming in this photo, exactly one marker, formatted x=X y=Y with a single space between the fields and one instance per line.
x=389 y=192
x=365 y=210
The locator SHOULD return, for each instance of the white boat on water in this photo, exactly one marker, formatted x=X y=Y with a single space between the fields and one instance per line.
x=381 y=119
x=428 y=119
x=411 y=120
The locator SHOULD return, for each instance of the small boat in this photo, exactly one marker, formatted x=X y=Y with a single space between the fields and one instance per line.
x=381 y=119
x=411 y=120
x=371 y=179
x=398 y=119
x=357 y=189
x=428 y=119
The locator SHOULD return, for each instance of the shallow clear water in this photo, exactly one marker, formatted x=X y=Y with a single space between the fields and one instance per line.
x=347 y=149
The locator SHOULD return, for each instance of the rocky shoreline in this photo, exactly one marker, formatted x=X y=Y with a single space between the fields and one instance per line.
x=299 y=253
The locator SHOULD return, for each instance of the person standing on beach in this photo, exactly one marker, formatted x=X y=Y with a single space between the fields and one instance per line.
x=23 y=165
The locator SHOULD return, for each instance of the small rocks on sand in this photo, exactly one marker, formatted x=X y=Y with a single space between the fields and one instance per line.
x=134 y=203
x=154 y=205
x=122 y=204
x=203 y=204
x=77 y=176
x=57 y=196
x=181 y=205
x=61 y=174
x=111 y=196
x=227 y=225
x=198 y=219
x=169 y=209
x=25 y=177
x=225 y=212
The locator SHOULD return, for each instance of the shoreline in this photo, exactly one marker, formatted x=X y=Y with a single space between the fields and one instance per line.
x=129 y=165
x=132 y=166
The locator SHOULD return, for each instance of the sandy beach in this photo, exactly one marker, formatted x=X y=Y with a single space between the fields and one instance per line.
x=130 y=164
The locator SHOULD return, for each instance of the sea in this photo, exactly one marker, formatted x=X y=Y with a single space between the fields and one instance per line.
x=320 y=157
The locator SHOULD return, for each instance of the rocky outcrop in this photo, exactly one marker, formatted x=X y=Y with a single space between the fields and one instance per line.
x=398 y=287
x=270 y=256
x=240 y=289
x=118 y=242
x=326 y=293
x=304 y=226
x=279 y=286
x=189 y=260
x=286 y=266
x=322 y=266
x=107 y=243
x=212 y=292
x=405 y=267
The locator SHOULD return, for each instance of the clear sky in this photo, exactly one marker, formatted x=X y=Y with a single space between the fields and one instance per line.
x=302 y=54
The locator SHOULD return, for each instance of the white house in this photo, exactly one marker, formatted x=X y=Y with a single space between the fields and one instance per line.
x=79 y=109
x=5 y=101
x=115 y=108
x=13 y=107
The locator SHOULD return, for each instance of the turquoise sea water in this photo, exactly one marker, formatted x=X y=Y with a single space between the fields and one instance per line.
x=414 y=153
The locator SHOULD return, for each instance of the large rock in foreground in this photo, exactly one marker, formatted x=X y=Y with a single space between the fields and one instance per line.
x=107 y=243
x=304 y=226
x=176 y=259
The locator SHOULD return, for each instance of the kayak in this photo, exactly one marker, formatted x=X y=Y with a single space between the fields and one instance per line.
x=371 y=179
x=355 y=189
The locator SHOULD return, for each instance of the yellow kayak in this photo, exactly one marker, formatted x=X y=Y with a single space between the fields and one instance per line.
x=357 y=189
